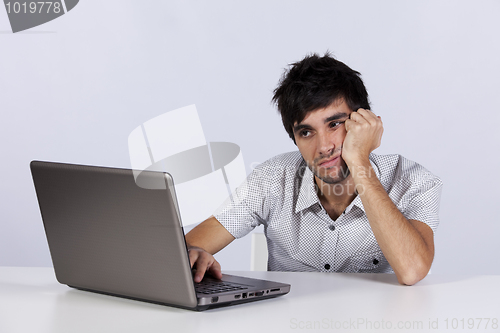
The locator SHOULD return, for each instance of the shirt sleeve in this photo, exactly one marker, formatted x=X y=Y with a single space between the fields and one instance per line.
x=247 y=207
x=423 y=202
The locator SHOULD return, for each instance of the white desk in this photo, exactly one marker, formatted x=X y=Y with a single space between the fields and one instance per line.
x=31 y=300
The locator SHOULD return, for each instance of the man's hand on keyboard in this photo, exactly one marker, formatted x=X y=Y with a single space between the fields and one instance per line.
x=203 y=262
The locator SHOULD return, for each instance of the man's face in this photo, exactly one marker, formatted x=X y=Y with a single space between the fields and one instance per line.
x=319 y=138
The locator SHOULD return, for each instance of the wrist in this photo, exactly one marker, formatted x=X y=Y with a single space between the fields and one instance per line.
x=361 y=171
x=358 y=163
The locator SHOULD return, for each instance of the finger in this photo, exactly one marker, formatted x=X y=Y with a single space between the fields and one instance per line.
x=365 y=111
x=193 y=256
x=358 y=117
x=201 y=267
x=368 y=116
x=348 y=124
x=215 y=270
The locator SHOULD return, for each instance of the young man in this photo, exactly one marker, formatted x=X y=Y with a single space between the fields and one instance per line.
x=334 y=206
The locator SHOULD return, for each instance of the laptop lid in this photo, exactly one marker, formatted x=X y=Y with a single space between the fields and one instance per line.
x=107 y=234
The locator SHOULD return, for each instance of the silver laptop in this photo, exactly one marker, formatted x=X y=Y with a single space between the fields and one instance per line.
x=108 y=235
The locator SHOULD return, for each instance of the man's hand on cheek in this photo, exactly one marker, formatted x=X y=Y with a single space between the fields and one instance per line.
x=364 y=134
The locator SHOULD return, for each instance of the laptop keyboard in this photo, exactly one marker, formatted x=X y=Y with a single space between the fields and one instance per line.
x=208 y=286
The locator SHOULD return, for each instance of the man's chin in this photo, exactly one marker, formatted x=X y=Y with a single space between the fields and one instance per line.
x=339 y=176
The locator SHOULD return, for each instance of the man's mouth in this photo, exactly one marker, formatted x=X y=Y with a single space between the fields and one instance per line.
x=330 y=162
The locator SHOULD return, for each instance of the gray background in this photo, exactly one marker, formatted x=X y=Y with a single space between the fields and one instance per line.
x=73 y=89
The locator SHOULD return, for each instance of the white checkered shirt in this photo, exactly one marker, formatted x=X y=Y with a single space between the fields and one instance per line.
x=301 y=236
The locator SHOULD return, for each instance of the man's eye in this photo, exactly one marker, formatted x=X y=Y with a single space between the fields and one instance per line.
x=334 y=124
x=305 y=134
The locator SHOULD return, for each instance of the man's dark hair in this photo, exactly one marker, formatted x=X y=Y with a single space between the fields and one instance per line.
x=316 y=82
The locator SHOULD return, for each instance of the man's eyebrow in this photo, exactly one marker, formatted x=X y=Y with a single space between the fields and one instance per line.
x=299 y=127
x=336 y=116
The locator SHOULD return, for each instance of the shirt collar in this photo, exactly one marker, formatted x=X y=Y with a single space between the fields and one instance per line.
x=307 y=193
x=308 y=196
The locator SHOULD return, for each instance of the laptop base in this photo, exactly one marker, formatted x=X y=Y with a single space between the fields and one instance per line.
x=197 y=308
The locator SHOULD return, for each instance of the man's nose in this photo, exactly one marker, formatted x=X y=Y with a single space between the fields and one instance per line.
x=326 y=143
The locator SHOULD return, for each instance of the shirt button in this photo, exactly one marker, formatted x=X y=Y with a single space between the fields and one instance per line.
x=332 y=227
x=327 y=266
x=375 y=261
